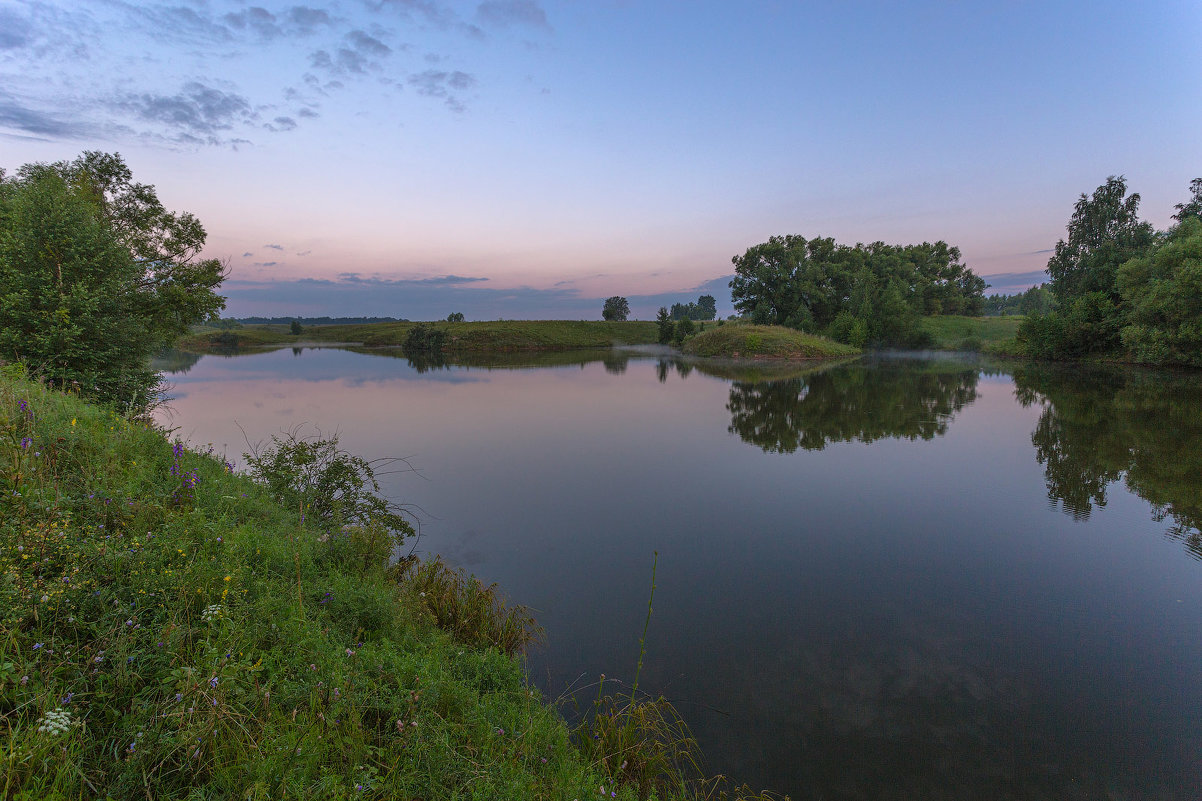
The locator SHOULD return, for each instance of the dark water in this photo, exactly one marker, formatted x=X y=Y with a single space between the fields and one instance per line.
x=898 y=578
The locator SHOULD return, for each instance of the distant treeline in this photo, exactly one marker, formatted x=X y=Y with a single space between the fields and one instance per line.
x=1036 y=300
x=317 y=320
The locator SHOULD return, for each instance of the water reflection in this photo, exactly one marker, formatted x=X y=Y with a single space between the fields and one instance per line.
x=1100 y=426
x=864 y=402
x=907 y=619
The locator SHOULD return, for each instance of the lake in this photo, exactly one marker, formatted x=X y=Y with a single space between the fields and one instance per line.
x=900 y=577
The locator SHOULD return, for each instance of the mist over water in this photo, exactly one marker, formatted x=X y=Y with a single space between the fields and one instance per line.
x=891 y=578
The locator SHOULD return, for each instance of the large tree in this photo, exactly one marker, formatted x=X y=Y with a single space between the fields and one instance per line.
x=1105 y=231
x=95 y=275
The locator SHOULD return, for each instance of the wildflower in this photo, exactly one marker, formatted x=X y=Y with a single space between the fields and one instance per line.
x=45 y=598
x=55 y=723
x=350 y=652
x=37 y=645
x=213 y=682
x=25 y=443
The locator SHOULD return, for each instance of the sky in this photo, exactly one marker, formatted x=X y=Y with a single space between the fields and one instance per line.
x=529 y=158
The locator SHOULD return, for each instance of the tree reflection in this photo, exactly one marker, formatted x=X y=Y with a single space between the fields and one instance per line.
x=174 y=361
x=1100 y=425
x=860 y=402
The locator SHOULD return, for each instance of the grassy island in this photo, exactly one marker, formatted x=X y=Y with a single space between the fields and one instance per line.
x=764 y=342
x=170 y=629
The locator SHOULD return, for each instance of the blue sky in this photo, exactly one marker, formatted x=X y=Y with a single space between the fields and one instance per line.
x=527 y=158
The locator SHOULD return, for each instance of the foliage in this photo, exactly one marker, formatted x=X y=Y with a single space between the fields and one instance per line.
x=455 y=317
x=706 y=308
x=1094 y=307
x=1085 y=324
x=859 y=295
x=422 y=339
x=615 y=308
x=1192 y=208
x=295 y=328
x=1163 y=295
x=98 y=275
x=664 y=326
x=682 y=331
x=1105 y=231
x=469 y=611
x=331 y=488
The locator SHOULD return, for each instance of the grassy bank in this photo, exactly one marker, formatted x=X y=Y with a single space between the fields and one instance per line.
x=502 y=335
x=763 y=341
x=168 y=629
x=951 y=332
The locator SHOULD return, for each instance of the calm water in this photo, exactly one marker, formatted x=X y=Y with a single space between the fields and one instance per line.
x=897 y=578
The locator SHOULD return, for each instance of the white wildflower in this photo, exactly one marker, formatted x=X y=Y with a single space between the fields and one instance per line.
x=212 y=613
x=55 y=723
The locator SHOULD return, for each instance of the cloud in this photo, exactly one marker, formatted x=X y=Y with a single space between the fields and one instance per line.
x=274 y=247
x=281 y=124
x=367 y=44
x=258 y=20
x=181 y=23
x=306 y=20
x=434 y=13
x=266 y=263
x=17 y=115
x=198 y=112
x=247 y=255
x=437 y=83
x=442 y=280
x=508 y=13
x=15 y=31
x=307 y=113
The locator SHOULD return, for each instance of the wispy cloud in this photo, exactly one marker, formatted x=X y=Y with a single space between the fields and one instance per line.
x=508 y=13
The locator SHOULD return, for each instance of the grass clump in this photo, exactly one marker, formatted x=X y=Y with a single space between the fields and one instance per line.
x=764 y=341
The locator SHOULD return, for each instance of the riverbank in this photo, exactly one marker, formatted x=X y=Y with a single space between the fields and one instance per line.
x=495 y=335
x=167 y=625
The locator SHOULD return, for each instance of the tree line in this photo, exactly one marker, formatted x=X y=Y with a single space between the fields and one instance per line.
x=858 y=294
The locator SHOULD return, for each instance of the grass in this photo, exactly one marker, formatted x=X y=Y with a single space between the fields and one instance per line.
x=169 y=630
x=503 y=335
x=763 y=341
x=952 y=332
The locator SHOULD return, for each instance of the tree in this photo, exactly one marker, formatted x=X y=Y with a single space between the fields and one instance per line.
x=295 y=328
x=1192 y=207
x=663 y=321
x=96 y=275
x=707 y=307
x=1163 y=292
x=1105 y=231
x=615 y=308
x=455 y=317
